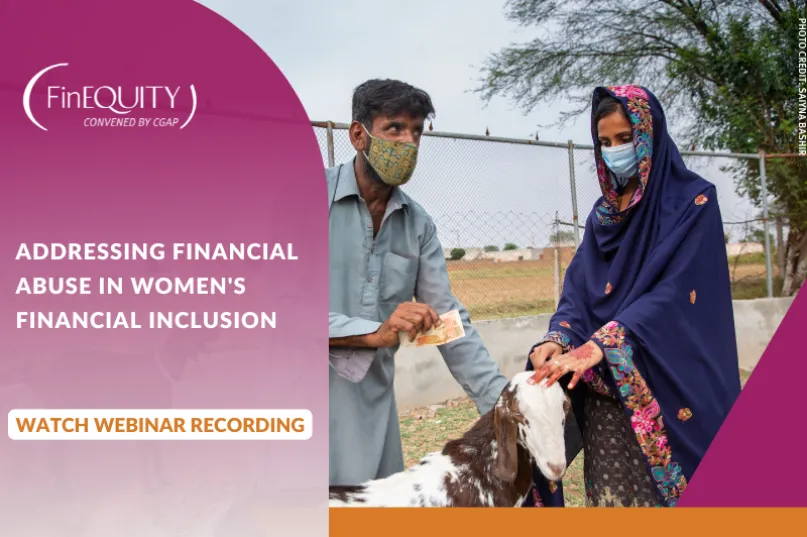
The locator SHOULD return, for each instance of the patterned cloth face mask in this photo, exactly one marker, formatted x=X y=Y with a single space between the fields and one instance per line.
x=393 y=161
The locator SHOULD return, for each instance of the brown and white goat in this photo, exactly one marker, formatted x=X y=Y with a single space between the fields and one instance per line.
x=489 y=466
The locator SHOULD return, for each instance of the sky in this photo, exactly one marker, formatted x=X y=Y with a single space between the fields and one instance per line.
x=478 y=192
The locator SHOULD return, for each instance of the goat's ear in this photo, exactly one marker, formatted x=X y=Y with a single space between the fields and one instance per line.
x=506 y=431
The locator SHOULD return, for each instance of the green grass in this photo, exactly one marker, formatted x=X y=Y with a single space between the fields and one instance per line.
x=427 y=429
x=489 y=311
x=748 y=259
x=512 y=270
x=755 y=288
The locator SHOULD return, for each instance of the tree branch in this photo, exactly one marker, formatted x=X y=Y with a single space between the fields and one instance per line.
x=692 y=16
x=773 y=9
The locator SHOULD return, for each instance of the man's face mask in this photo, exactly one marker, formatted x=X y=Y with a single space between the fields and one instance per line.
x=622 y=161
x=393 y=161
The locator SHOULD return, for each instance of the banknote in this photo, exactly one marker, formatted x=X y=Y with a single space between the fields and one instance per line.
x=449 y=330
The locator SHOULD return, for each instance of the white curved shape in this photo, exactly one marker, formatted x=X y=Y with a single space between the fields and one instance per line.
x=26 y=96
x=193 y=110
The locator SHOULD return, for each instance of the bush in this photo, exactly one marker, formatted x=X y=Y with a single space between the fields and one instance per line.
x=510 y=246
x=561 y=236
x=491 y=248
x=457 y=254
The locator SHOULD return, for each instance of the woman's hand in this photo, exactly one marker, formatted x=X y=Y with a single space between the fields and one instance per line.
x=579 y=360
x=544 y=352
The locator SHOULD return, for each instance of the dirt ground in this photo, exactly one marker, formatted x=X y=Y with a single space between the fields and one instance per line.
x=495 y=290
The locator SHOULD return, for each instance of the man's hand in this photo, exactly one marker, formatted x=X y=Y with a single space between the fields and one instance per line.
x=544 y=352
x=410 y=317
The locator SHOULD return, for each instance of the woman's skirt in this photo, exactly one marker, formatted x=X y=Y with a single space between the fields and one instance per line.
x=614 y=467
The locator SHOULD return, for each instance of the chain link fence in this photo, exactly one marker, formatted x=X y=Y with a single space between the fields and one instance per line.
x=510 y=214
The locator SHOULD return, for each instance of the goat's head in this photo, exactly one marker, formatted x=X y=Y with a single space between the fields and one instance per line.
x=533 y=416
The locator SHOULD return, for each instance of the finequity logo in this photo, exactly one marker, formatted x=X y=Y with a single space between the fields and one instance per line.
x=114 y=104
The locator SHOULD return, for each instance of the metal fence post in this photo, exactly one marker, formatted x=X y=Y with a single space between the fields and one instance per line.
x=574 y=196
x=329 y=136
x=763 y=184
x=556 y=263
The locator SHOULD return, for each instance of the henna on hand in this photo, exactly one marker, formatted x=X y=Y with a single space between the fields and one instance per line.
x=578 y=374
x=584 y=353
x=587 y=354
x=578 y=360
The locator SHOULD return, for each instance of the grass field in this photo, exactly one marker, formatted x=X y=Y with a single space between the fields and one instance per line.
x=427 y=429
x=496 y=290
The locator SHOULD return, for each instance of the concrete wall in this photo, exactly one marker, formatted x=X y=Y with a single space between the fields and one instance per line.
x=755 y=322
x=509 y=256
x=502 y=256
x=422 y=378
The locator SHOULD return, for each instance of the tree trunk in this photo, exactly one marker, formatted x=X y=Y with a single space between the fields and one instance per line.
x=796 y=263
x=780 y=246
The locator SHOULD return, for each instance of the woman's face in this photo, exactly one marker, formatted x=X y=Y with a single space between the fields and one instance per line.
x=614 y=129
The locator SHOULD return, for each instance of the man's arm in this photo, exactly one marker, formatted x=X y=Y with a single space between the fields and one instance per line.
x=347 y=331
x=408 y=317
x=467 y=358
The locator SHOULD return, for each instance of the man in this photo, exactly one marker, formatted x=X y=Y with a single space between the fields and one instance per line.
x=384 y=252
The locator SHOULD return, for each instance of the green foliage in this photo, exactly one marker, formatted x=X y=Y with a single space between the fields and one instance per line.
x=726 y=72
x=758 y=236
x=491 y=248
x=457 y=254
x=561 y=237
x=510 y=246
x=751 y=109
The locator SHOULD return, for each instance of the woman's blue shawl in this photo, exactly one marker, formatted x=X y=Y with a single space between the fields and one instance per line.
x=650 y=285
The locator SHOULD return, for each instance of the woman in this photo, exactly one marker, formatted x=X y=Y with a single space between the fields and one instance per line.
x=645 y=319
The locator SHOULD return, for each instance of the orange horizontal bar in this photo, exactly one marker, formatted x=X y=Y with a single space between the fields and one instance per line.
x=547 y=522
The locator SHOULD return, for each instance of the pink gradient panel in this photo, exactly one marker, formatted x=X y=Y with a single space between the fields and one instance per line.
x=246 y=169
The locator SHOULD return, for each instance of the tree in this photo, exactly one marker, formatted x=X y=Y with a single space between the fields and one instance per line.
x=457 y=254
x=728 y=67
x=756 y=235
x=510 y=246
x=559 y=237
x=491 y=248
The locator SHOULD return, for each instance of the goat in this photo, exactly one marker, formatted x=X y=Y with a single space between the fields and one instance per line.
x=489 y=466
